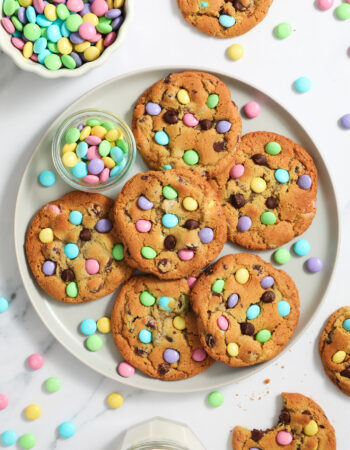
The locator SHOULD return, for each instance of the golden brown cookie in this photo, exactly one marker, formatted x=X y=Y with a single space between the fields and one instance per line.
x=334 y=348
x=73 y=248
x=155 y=329
x=187 y=120
x=246 y=309
x=302 y=425
x=224 y=18
x=171 y=223
x=269 y=192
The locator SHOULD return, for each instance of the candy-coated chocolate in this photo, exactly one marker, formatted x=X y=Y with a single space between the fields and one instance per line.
x=32 y=412
x=94 y=343
x=145 y=336
x=215 y=399
x=301 y=247
x=88 y=327
x=303 y=84
x=199 y=354
x=35 y=361
x=92 y=266
x=258 y=185
x=169 y=192
x=115 y=400
x=144 y=204
x=8 y=438
x=170 y=220
x=232 y=300
x=311 y=428
x=125 y=369
x=268 y=218
x=283 y=308
x=104 y=226
x=161 y=137
x=164 y=302
x=49 y=267
x=171 y=355
x=282 y=175
x=232 y=349
x=206 y=235
x=185 y=254
x=148 y=252
x=179 y=323
x=191 y=157
x=273 y=148
x=339 y=357
x=143 y=225
x=235 y=51
x=237 y=171
x=251 y=109
x=267 y=282
x=227 y=21
x=183 y=97
x=283 y=30
x=304 y=182
x=281 y=256
x=4 y=401
x=104 y=325
x=191 y=281
x=345 y=121
x=190 y=204
x=223 y=126
x=284 y=438
x=242 y=276
x=27 y=441
x=53 y=384
x=218 y=286
x=244 y=223
x=325 y=4
x=4 y=304
x=223 y=323
x=253 y=312
x=46 y=235
x=71 y=250
x=314 y=264
x=190 y=120
x=67 y=430
x=346 y=324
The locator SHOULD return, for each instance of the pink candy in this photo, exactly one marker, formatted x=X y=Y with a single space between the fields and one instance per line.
x=222 y=323
x=97 y=37
x=92 y=266
x=4 y=401
x=104 y=175
x=185 y=254
x=17 y=42
x=143 y=226
x=91 y=179
x=284 y=438
x=75 y=6
x=87 y=31
x=325 y=4
x=93 y=153
x=110 y=38
x=252 y=110
x=199 y=355
x=99 y=7
x=93 y=140
x=190 y=120
x=34 y=57
x=125 y=369
x=237 y=171
x=39 y=6
x=8 y=25
x=55 y=209
x=35 y=361
x=191 y=281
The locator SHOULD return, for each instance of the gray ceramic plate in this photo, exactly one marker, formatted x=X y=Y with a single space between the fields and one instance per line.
x=118 y=95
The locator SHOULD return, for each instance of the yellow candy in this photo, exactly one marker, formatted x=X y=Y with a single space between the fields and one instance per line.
x=28 y=49
x=115 y=400
x=85 y=132
x=235 y=51
x=25 y=3
x=339 y=357
x=183 y=96
x=113 y=135
x=33 y=412
x=110 y=4
x=98 y=131
x=258 y=185
x=91 y=53
x=311 y=428
x=99 y=45
x=109 y=162
x=179 y=323
x=50 y=12
x=242 y=276
x=104 y=325
x=64 y=46
x=118 y=3
x=190 y=204
x=69 y=159
x=69 y=147
x=112 y=144
x=46 y=235
x=232 y=349
x=82 y=46
x=90 y=17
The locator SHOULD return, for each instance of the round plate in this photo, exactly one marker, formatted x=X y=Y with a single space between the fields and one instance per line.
x=119 y=95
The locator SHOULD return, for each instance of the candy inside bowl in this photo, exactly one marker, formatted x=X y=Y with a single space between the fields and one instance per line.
x=93 y=150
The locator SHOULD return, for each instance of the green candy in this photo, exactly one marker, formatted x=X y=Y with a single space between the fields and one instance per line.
x=147 y=299
x=148 y=252
x=53 y=62
x=104 y=28
x=104 y=148
x=212 y=100
x=215 y=399
x=283 y=30
x=27 y=441
x=191 y=157
x=68 y=61
x=72 y=289
x=93 y=122
x=218 y=286
x=32 y=31
x=73 y=22
x=268 y=218
x=53 y=384
x=10 y=7
x=343 y=11
x=118 y=252
x=123 y=145
x=43 y=32
x=169 y=192
x=94 y=343
x=273 y=148
x=17 y=23
x=104 y=19
x=108 y=125
x=281 y=256
x=72 y=135
x=62 y=11
x=52 y=46
x=263 y=336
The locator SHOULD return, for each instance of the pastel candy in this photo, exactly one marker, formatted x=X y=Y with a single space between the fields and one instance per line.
x=199 y=355
x=144 y=204
x=267 y=282
x=92 y=266
x=190 y=120
x=143 y=226
x=304 y=182
x=223 y=126
x=104 y=226
x=223 y=323
x=232 y=300
x=185 y=254
x=49 y=267
x=226 y=20
x=171 y=355
x=206 y=235
x=125 y=369
x=244 y=223
x=237 y=171
x=153 y=109
x=284 y=438
x=170 y=220
x=161 y=137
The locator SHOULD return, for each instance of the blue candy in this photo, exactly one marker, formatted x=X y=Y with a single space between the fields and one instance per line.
x=64 y=30
x=40 y=45
x=67 y=430
x=283 y=308
x=227 y=21
x=117 y=154
x=88 y=327
x=8 y=438
x=302 y=84
x=163 y=303
x=204 y=4
x=42 y=55
x=167 y=167
x=253 y=312
x=4 y=304
x=170 y=220
x=54 y=33
x=282 y=175
x=75 y=217
x=42 y=21
x=31 y=14
x=145 y=336
x=346 y=324
x=82 y=149
x=80 y=170
x=71 y=250
x=161 y=138
x=47 y=178
x=302 y=247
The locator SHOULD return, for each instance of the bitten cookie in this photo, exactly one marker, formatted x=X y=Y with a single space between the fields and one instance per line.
x=269 y=192
x=224 y=18
x=246 y=309
x=334 y=348
x=155 y=329
x=171 y=223
x=73 y=248
x=187 y=120
x=302 y=425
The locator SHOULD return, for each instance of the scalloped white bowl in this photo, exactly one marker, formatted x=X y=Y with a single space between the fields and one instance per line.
x=31 y=66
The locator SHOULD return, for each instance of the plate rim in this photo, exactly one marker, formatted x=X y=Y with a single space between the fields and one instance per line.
x=164 y=387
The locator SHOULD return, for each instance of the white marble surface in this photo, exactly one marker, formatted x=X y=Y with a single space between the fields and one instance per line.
x=158 y=36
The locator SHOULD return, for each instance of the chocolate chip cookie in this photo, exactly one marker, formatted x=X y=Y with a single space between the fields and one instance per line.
x=269 y=192
x=334 y=348
x=73 y=248
x=302 y=424
x=224 y=18
x=155 y=329
x=171 y=223
x=187 y=120
x=246 y=309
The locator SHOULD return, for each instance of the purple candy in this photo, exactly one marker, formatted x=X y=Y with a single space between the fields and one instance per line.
x=96 y=166
x=206 y=235
x=76 y=58
x=314 y=265
x=144 y=203
x=80 y=126
x=153 y=109
x=104 y=226
x=232 y=300
x=24 y=38
x=75 y=38
x=49 y=267
x=345 y=121
x=267 y=282
x=254 y=448
x=21 y=14
x=304 y=182
x=171 y=356
x=244 y=223
x=113 y=13
x=117 y=22
x=86 y=9
x=223 y=126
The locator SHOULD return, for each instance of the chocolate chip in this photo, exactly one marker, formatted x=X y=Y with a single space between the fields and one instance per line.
x=191 y=224
x=108 y=264
x=170 y=117
x=93 y=291
x=345 y=372
x=257 y=435
x=170 y=242
x=268 y=297
x=284 y=417
x=272 y=202
x=67 y=275
x=247 y=328
x=167 y=80
x=164 y=265
x=258 y=268
x=127 y=213
x=205 y=124
x=239 y=6
x=144 y=177
x=260 y=159
x=151 y=324
x=307 y=413
x=210 y=340
x=139 y=351
x=96 y=210
x=219 y=146
x=209 y=270
x=169 y=339
x=237 y=200
x=163 y=369
x=85 y=235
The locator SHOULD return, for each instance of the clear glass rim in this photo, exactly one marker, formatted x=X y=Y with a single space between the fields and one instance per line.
x=56 y=150
x=159 y=445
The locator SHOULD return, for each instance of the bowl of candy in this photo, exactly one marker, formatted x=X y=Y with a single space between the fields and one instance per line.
x=93 y=150
x=62 y=38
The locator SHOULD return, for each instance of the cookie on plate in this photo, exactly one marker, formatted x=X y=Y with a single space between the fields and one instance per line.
x=334 y=348
x=224 y=18
x=155 y=329
x=302 y=424
x=73 y=248
x=269 y=192
x=187 y=120
x=171 y=223
x=246 y=309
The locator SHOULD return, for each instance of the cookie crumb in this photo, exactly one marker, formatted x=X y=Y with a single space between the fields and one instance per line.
x=267 y=381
